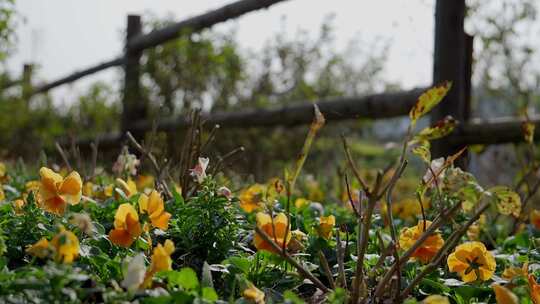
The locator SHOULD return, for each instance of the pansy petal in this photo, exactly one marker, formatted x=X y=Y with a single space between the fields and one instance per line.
x=121 y=237
x=133 y=226
x=161 y=221
x=155 y=203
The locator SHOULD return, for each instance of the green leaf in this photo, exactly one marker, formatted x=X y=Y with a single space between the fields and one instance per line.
x=206 y=279
x=241 y=263
x=185 y=278
x=209 y=294
x=428 y=100
x=291 y=297
x=440 y=129
x=422 y=150
x=178 y=199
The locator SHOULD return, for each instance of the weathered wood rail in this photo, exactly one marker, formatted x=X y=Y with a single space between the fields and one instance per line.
x=452 y=61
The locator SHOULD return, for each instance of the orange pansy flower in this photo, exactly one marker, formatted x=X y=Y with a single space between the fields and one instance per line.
x=429 y=247
x=154 y=207
x=472 y=261
x=275 y=228
x=55 y=192
x=326 y=225
x=128 y=187
x=126 y=226
x=535 y=218
x=161 y=261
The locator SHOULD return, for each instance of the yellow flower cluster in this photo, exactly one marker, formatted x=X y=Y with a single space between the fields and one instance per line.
x=127 y=225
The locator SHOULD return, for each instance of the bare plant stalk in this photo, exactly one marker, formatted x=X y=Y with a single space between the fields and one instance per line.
x=351 y=201
x=393 y=231
x=211 y=137
x=364 y=224
x=340 y=259
x=326 y=268
x=63 y=155
x=153 y=161
x=227 y=157
x=94 y=147
x=353 y=166
x=316 y=125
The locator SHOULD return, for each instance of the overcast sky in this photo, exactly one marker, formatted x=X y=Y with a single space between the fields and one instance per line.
x=62 y=36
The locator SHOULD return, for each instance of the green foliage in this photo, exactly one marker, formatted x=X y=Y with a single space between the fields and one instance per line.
x=204 y=227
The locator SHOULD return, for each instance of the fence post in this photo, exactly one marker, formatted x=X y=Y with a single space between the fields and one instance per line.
x=134 y=106
x=450 y=63
x=26 y=82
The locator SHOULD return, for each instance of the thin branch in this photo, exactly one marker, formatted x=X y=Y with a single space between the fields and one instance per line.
x=340 y=260
x=351 y=201
x=393 y=231
x=353 y=165
x=301 y=270
x=153 y=161
x=63 y=155
x=326 y=268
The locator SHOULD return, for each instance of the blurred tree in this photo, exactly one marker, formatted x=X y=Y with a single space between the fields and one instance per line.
x=506 y=69
x=210 y=71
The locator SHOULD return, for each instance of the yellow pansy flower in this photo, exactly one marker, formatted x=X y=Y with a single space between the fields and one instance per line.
x=295 y=243
x=66 y=246
x=429 y=247
x=88 y=189
x=253 y=294
x=40 y=249
x=32 y=186
x=313 y=188
x=161 y=257
x=128 y=187
x=108 y=190
x=274 y=228
x=436 y=299
x=512 y=272
x=326 y=225
x=161 y=261
x=145 y=182
x=472 y=261
x=3 y=173
x=18 y=206
x=252 y=198
x=535 y=218
x=126 y=226
x=153 y=206
x=55 y=192
x=299 y=203
x=408 y=209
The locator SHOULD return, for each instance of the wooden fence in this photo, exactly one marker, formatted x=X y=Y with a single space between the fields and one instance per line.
x=452 y=61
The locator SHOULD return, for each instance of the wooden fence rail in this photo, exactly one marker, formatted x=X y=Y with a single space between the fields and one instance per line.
x=452 y=61
x=198 y=23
